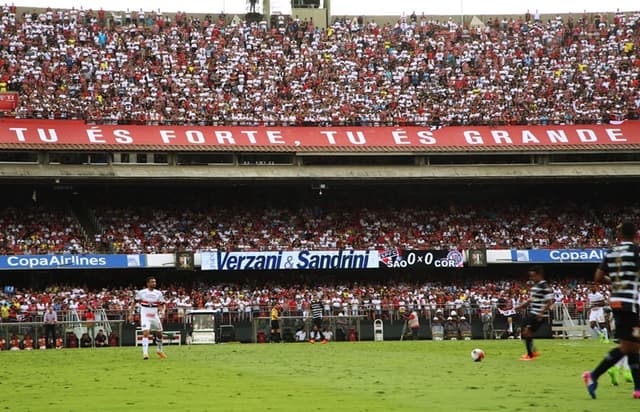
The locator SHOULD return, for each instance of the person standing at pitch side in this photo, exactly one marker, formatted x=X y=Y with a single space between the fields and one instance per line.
x=152 y=306
x=316 y=316
x=620 y=268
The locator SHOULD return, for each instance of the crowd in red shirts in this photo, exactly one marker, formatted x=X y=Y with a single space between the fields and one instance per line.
x=548 y=224
x=156 y=69
x=236 y=302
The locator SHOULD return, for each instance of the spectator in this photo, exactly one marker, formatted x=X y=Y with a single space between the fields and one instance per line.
x=50 y=320
x=328 y=335
x=427 y=73
x=301 y=335
x=451 y=328
x=413 y=321
x=90 y=322
x=101 y=339
x=28 y=343
x=437 y=330
x=14 y=342
x=85 y=340
x=464 y=328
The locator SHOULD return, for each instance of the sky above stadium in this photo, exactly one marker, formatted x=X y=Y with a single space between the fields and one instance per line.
x=356 y=7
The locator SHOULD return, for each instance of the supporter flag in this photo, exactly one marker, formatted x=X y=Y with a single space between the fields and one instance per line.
x=477 y=258
x=184 y=260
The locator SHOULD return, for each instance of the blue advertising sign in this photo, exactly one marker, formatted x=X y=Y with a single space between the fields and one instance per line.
x=558 y=255
x=71 y=262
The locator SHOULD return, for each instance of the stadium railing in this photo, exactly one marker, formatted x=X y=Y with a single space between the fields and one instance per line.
x=341 y=327
x=63 y=330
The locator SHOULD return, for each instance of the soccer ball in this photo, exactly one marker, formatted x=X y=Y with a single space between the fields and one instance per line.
x=477 y=355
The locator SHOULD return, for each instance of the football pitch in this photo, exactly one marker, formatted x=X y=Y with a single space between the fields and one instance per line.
x=339 y=376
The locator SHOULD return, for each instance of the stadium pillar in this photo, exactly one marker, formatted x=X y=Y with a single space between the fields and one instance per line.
x=327 y=5
x=266 y=10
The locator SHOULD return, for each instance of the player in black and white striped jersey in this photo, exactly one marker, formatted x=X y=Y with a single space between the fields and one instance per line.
x=539 y=303
x=316 y=316
x=620 y=268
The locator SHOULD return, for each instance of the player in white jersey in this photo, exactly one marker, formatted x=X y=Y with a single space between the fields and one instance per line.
x=152 y=306
x=597 y=320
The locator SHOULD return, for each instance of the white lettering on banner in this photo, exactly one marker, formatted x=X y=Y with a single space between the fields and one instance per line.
x=123 y=136
x=275 y=137
x=54 y=261
x=51 y=138
x=445 y=263
x=400 y=137
x=426 y=137
x=614 y=133
x=587 y=136
x=577 y=255
x=473 y=137
x=330 y=136
x=528 y=137
x=223 y=136
x=94 y=134
x=557 y=136
x=74 y=132
x=251 y=134
x=353 y=259
x=19 y=132
x=167 y=135
x=195 y=136
x=357 y=138
x=501 y=135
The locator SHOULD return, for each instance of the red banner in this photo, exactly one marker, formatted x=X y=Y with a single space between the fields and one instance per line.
x=70 y=132
x=8 y=101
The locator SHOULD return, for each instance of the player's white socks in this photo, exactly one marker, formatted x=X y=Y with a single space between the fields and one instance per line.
x=160 y=345
x=145 y=346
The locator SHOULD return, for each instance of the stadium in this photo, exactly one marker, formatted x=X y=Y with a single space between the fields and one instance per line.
x=397 y=169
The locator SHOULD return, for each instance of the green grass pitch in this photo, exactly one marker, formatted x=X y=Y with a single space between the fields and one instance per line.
x=349 y=376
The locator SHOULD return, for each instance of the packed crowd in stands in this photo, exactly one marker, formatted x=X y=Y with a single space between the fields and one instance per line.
x=39 y=231
x=233 y=302
x=545 y=225
x=155 y=69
